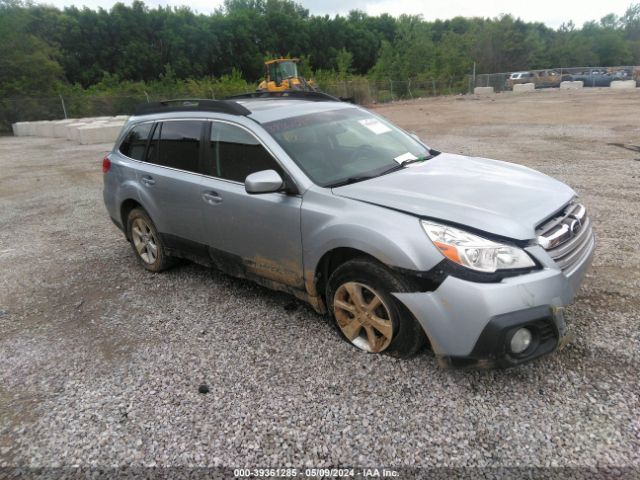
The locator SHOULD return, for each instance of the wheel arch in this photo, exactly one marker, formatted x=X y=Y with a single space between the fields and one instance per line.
x=125 y=209
x=331 y=260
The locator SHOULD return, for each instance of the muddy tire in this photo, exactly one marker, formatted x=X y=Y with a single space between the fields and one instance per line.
x=367 y=315
x=146 y=243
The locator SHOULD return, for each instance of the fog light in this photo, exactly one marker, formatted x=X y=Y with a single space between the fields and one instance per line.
x=520 y=340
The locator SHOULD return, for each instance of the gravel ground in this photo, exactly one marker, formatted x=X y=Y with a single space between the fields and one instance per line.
x=102 y=361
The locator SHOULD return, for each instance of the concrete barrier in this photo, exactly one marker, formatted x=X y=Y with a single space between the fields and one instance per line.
x=49 y=129
x=35 y=129
x=72 y=130
x=69 y=128
x=483 y=90
x=32 y=129
x=28 y=129
x=571 y=85
x=60 y=127
x=41 y=129
x=75 y=134
x=20 y=129
x=623 y=84
x=524 y=87
x=99 y=133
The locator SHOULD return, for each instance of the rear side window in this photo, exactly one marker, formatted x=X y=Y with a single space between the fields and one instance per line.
x=178 y=146
x=234 y=154
x=135 y=142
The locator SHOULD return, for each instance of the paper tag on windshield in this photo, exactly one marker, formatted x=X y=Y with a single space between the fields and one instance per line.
x=376 y=126
x=405 y=156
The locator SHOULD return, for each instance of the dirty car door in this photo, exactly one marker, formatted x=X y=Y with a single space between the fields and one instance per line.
x=249 y=234
x=170 y=180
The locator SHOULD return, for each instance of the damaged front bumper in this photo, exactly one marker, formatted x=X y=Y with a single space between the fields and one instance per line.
x=469 y=324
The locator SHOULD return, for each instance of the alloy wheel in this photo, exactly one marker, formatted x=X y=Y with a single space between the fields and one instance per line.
x=363 y=317
x=144 y=240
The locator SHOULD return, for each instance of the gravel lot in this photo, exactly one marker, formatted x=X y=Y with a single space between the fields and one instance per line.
x=102 y=361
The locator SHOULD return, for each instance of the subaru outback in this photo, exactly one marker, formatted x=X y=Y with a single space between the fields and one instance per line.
x=401 y=245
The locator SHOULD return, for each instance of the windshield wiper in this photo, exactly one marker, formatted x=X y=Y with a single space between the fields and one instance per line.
x=409 y=161
x=404 y=163
x=395 y=167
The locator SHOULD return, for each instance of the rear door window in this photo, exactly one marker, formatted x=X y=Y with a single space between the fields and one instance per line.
x=135 y=143
x=178 y=145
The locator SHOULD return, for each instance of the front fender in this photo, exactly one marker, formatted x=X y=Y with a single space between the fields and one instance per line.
x=394 y=238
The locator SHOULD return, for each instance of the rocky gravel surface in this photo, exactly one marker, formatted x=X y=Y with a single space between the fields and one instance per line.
x=103 y=363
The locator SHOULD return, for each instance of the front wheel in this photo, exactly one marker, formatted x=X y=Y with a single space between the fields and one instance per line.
x=366 y=314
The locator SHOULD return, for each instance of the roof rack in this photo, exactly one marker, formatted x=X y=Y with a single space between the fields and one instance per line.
x=297 y=94
x=192 y=105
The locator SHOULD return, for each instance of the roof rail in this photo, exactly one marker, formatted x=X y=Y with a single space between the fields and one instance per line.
x=296 y=94
x=192 y=105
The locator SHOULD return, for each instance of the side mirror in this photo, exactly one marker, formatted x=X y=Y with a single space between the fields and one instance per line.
x=265 y=181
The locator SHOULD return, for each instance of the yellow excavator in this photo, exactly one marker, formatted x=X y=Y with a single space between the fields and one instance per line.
x=281 y=74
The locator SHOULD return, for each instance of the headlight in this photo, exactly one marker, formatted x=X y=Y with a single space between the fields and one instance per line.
x=475 y=252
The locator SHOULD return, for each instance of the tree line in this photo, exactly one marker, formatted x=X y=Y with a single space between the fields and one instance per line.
x=45 y=50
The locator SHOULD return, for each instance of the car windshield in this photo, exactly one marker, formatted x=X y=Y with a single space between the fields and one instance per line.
x=347 y=144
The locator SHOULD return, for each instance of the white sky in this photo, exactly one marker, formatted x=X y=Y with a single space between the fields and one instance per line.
x=551 y=12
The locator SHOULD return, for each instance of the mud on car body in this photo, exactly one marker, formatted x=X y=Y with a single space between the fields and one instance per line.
x=400 y=244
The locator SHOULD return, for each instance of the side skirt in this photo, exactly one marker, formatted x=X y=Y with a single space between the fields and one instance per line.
x=234 y=266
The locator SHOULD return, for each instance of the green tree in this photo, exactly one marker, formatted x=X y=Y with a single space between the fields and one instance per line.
x=44 y=49
x=344 y=59
x=28 y=65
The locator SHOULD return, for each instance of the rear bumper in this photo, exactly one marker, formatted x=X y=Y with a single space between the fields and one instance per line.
x=469 y=323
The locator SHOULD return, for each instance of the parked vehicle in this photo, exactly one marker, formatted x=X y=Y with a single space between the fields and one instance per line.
x=540 y=78
x=519 y=77
x=600 y=77
x=400 y=244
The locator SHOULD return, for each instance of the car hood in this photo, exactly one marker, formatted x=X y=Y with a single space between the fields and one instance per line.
x=497 y=197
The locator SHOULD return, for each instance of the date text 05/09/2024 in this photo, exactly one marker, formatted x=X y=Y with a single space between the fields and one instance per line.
x=315 y=473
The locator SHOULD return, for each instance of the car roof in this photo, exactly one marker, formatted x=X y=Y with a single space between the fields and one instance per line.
x=268 y=110
x=260 y=109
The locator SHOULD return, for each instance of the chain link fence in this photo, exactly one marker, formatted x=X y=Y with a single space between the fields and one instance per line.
x=367 y=92
x=361 y=91
x=553 y=77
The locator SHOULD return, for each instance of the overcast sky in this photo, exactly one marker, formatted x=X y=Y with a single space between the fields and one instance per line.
x=551 y=12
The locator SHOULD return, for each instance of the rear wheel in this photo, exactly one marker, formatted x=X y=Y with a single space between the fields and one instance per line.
x=366 y=314
x=146 y=243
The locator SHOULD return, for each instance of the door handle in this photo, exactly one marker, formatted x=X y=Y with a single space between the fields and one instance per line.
x=148 y=180
x=212 y=198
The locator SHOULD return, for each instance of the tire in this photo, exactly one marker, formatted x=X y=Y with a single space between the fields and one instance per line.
x=378 y=323
x=146 y=243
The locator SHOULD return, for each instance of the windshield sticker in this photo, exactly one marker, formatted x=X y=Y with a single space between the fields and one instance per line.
x=405 y=156
x=375 y=125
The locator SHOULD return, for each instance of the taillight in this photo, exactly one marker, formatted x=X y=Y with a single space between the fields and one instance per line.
x=106 y=164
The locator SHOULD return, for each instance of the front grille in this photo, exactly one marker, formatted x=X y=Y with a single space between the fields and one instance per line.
x=567 y=236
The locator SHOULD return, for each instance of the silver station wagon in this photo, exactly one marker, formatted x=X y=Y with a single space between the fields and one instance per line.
x=402 y=245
